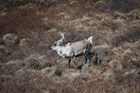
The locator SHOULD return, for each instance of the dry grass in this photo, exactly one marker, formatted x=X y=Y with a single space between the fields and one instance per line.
x=119 y=5
x=32 y=81
x=132 y=35
x=16 y=20
x=33 y=68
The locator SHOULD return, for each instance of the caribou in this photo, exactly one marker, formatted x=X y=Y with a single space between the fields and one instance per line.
x=71 y=50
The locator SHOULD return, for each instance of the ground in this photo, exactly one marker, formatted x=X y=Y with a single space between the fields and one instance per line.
x=29 y=27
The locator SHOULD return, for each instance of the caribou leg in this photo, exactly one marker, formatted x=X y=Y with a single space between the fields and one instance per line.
x=87 y=57
x=69 y=61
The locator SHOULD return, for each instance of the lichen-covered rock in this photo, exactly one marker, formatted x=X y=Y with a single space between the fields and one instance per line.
x=10 y=39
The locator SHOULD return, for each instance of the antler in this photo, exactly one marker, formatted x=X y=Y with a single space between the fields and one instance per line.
x=62 y=34
x=62 y=39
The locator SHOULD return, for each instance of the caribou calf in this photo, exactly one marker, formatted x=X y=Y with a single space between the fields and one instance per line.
x=73 y=49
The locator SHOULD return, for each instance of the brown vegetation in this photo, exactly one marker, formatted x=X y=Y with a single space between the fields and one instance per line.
x=29 y=27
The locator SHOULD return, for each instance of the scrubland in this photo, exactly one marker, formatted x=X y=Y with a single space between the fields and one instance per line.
x=29 y=27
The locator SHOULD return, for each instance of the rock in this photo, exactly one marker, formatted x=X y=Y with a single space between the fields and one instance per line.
x=10 y=39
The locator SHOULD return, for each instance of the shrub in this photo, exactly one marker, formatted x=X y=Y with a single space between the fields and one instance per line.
x=132 y=35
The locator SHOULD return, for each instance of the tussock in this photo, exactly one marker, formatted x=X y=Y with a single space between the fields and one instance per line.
x=132 y=35
x=30 y=67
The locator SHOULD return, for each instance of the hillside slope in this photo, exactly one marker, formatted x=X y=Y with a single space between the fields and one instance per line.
x=29 y=27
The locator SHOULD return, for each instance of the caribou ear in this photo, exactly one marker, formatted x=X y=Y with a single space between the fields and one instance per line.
x=90 y=39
